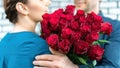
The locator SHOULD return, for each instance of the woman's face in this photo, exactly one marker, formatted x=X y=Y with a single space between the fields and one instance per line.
x=37 y=8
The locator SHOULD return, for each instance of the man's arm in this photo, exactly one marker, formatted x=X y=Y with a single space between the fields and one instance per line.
x=57 y=60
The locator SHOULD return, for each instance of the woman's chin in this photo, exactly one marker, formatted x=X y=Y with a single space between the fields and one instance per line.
x=41 y=20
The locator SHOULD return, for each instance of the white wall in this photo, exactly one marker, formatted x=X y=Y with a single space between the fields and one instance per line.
x=111 y=8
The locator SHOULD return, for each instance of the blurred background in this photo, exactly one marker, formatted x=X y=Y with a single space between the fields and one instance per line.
x=110 y=8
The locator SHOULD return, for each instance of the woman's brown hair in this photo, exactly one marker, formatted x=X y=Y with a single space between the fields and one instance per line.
x=10 y=9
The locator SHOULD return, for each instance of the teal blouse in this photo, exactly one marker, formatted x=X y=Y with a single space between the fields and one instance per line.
x=18 y=50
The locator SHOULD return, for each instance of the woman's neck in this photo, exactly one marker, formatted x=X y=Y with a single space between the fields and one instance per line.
x=24 y=25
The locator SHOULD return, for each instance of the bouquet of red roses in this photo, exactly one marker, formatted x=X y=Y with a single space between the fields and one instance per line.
x=76 y=35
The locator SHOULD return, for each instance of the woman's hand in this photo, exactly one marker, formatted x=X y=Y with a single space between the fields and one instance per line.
x=57 y=60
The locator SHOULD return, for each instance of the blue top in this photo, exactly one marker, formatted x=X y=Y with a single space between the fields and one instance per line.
x=111 y=58
x=18 y=50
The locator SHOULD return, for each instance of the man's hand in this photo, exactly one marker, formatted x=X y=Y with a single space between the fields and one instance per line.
x=57 y=60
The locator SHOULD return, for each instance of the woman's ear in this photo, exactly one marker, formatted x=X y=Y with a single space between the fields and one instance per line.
x=22 y=8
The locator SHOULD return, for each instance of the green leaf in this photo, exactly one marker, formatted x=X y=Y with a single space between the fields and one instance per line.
x=101 y=33
x=96 y=42
x=74 y=58
x=100 y=42
x=103 y=41
x=83 y=61
x=94 y=62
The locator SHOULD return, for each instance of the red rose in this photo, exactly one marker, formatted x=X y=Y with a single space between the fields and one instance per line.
x=70 y=9
x=96 y=27
x=66 y=33
x=64 y=46
x=62 y=16
x=95 y=21
x=85 y=28
x=45 y=29
x=82 y=19
x=95 y=52
x=45 y=35
x=52 y=41
x=80 y=16
x=54 y=21
x=46 y=16
x=63 y=22
x=93 y=36
x=59 y=11
x=74 y=25
x=106 y=28
x=92 y=17
x=45 y=21
x=75 y=37
x=69 y=17
x=81 y=47
x=97 y=18
x=80 y=13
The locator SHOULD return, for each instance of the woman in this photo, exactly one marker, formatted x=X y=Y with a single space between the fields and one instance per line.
x=19 y=47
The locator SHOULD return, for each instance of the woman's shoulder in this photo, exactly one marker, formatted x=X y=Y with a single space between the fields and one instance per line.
x=24 y=42
x=35 y=44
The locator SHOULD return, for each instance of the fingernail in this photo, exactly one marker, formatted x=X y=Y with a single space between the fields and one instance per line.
x=36 y=57
x=34 y=62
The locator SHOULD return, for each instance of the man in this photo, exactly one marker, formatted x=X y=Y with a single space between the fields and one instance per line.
x=111 y=57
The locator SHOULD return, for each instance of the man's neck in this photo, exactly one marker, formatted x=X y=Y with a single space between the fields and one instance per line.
x=95 y=10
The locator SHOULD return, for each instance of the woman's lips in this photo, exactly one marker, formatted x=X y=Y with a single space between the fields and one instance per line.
x=46 y=11
x=81 y=1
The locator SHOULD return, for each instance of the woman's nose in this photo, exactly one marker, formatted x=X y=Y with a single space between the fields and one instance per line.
x=48 y=2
